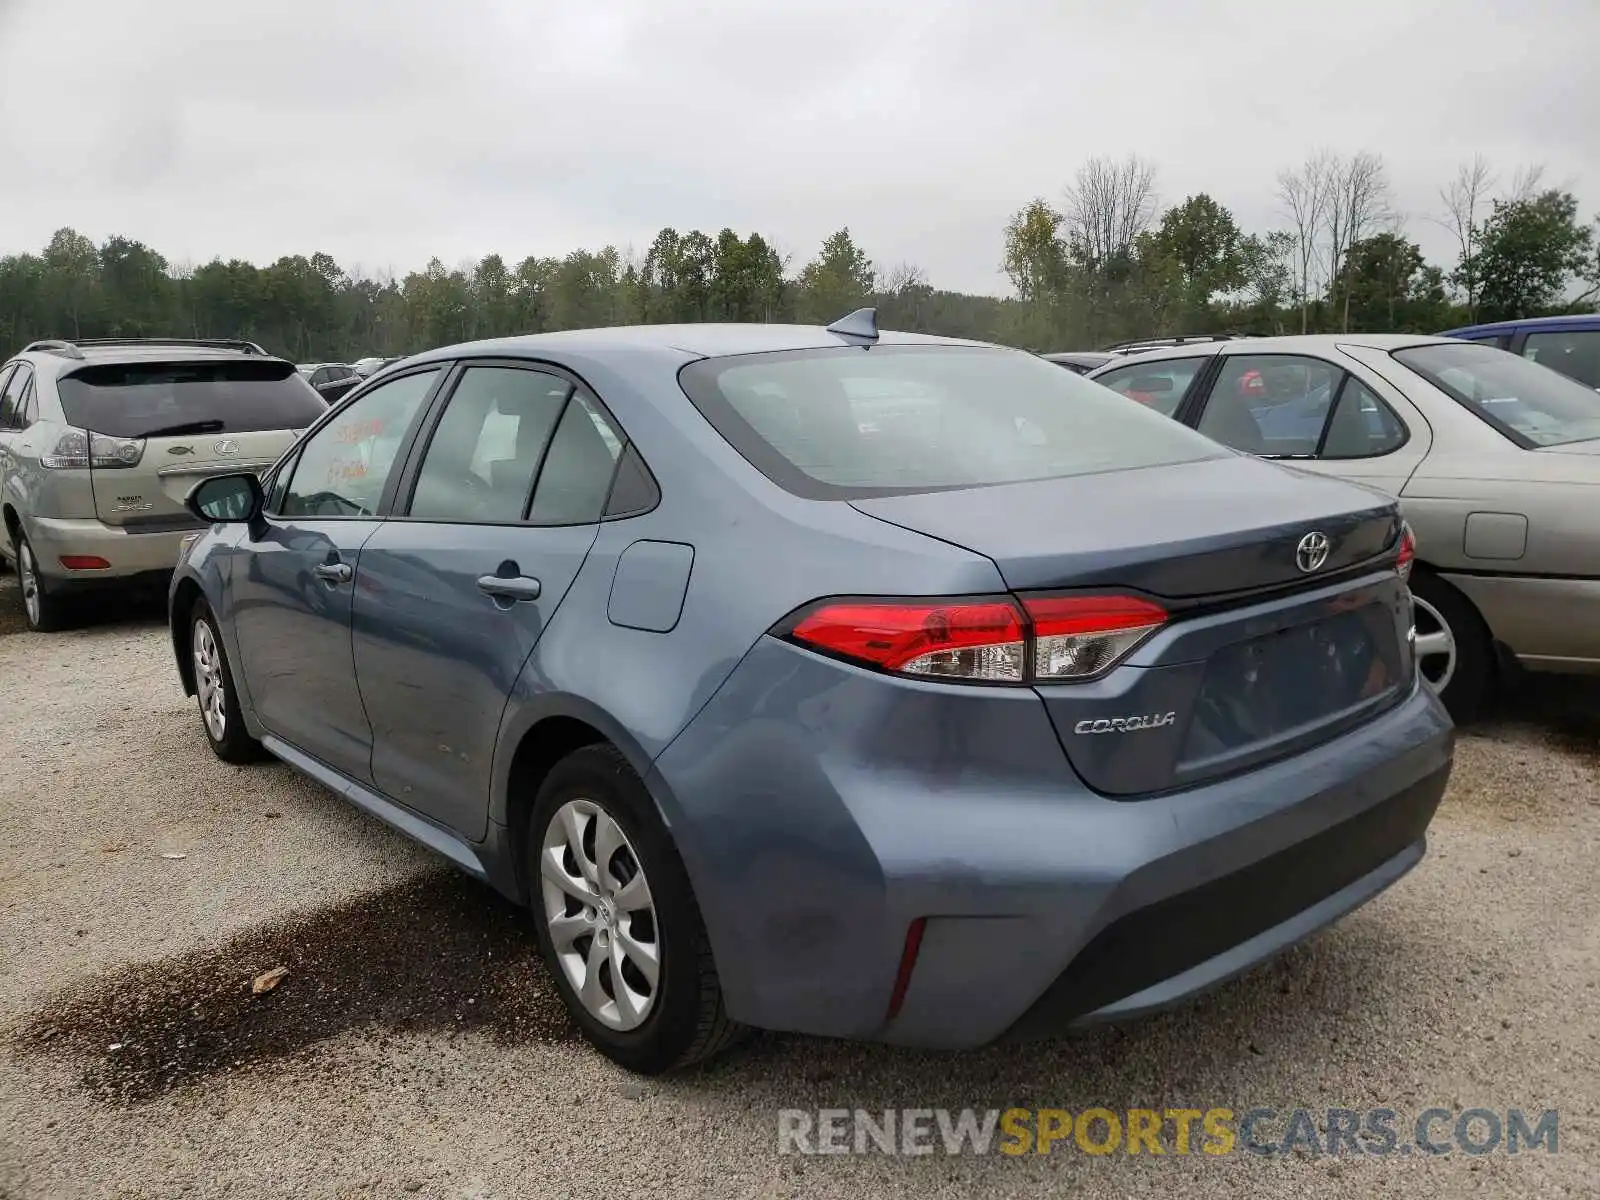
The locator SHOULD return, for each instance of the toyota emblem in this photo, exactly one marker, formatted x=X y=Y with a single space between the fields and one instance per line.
x=1312 y=552
x=231 y=446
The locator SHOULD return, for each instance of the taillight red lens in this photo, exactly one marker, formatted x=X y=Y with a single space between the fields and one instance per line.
x=1408 y=552
x=1076 y=637
x=983 y=640
x=977 y=640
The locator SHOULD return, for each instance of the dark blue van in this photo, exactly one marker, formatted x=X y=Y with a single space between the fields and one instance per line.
x=1569 y=344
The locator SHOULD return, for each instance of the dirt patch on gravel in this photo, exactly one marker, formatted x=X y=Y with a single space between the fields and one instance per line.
x=438 y=954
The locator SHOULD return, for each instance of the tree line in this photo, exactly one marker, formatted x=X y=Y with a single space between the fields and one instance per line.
x=1104 y=262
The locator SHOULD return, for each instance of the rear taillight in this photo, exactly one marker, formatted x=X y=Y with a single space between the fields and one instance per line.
x=959 y=639
x=1408 y=551
x=79 y=448
x=982 y=640
x=1075 y=637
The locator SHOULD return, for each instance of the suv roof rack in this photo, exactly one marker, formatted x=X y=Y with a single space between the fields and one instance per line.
x=238 y=344
x=53 y=346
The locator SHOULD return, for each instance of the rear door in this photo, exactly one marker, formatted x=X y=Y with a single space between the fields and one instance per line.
x=157 y=428
x=456 y=590
x=1331 y=417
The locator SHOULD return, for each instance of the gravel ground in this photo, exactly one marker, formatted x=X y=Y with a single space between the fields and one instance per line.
x=416 y=1047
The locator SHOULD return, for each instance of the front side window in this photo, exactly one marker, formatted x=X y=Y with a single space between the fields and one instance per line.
x=851 y=422
x=1576 y=354
x=1530 y=404
x=346 y=463
x=1271 y=404
x=1158 y=385
x=487 y=446
x=134 y=400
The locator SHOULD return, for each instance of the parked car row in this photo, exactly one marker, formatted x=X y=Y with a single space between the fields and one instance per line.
x=855 y=683
x=1493 y=456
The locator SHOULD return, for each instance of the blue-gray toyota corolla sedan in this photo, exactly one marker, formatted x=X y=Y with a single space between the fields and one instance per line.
x=866 y=685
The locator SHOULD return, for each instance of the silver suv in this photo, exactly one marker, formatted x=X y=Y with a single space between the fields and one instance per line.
x=101 y=441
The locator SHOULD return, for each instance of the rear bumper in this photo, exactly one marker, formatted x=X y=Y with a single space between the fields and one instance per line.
x=134 y=558
x=1549 y=624
x=821 y=809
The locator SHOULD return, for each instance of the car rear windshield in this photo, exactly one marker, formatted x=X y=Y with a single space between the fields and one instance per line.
x=144 y=399
x=1532 y=405
x=850 y=421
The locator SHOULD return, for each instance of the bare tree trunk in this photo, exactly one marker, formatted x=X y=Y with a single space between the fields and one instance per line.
x=1358 y=205
x=1462 y=199
x=1304 y=196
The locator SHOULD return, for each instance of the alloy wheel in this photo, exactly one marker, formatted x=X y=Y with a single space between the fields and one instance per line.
x=1436 y=645
x=210 y=687
x=29 y=579
x=601 y=916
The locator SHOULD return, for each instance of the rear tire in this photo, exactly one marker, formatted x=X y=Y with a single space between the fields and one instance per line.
x=612 y=905
x=44 y=611
x=215 y=692
x=1453 y=644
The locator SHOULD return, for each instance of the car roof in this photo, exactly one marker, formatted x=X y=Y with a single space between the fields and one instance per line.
x=708 y=340
x=65 y=355
x=1310 y=343
x=1559 y=321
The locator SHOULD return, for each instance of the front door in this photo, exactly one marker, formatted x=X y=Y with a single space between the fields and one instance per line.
x=458 y=587
x=292 y=590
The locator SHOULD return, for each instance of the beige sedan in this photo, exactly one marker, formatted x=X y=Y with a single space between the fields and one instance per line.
x=1496 y=461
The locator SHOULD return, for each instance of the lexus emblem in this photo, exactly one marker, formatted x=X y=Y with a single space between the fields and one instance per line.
x=1312 y=552
x=231 y=446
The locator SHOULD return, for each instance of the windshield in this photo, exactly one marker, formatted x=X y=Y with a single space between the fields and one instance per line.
x=848 y=422
x=134 y=400
x=1532 y=405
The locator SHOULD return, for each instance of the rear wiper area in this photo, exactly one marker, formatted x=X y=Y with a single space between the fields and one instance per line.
x=211 y=426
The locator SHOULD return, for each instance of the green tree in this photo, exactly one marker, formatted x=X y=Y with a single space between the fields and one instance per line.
x=72 y=268
x=1390 y=287
x=1531 y=251
x=1202 y=243
x=838 y=281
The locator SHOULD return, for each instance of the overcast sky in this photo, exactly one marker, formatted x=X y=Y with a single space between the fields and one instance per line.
x=389 y=131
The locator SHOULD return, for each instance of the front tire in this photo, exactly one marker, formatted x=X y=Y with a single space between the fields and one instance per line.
x=617 y=920
x=215 y=693
x=1454 y=650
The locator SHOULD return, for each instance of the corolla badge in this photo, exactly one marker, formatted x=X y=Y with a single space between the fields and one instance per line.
x=1312 y=552
x=226 y=446
x=1126 y=724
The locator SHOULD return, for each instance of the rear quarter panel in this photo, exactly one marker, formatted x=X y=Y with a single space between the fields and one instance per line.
x=759 y=553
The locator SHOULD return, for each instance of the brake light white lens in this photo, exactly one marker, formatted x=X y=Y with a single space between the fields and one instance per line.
x=71 y=450
x=1076 y=637
x=77 y=448
x=983 y=640
x=1408 y=551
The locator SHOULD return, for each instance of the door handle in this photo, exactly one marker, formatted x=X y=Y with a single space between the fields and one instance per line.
x=512 y=587
x=336 y=572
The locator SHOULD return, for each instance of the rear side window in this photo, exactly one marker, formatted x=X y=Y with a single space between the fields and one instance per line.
x=11 y=395
x=134 y=400
x=852 y=422
x=1575 y=353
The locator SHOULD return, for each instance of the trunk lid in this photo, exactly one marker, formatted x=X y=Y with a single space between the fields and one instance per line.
x=159 y=427
x=149 y=496
x=1260 y=658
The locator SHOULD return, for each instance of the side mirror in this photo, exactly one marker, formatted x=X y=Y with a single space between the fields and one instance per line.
x=236 y=497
